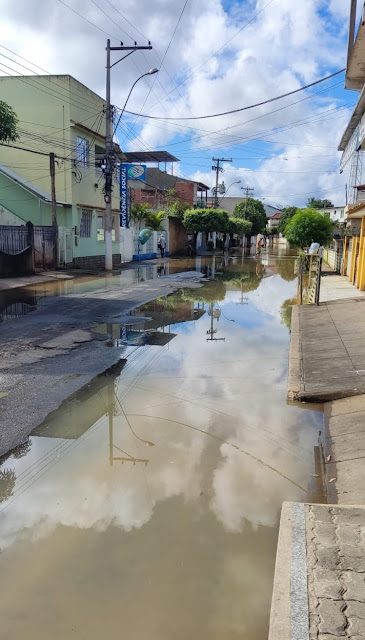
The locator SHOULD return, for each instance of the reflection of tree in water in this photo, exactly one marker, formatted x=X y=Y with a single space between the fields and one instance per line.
x=7 y=483
x=247 y=281
x=286 y=311
x=285 y=268
x=211 y=291
x=21 y=450
x=8 y=476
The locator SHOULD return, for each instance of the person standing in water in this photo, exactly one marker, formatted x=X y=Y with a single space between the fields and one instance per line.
x=162 y=244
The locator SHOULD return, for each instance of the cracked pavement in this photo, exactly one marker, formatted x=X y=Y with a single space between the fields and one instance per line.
x=49 y=354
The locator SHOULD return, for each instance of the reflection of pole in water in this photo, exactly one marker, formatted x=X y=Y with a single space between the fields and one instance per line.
x=127 y=457
x=213 y=314
x=244 y=300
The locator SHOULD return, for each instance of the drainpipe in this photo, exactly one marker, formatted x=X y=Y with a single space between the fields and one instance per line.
x=351 y=39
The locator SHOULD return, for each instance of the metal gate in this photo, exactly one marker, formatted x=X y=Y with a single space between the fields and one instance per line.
x=44 y=238
x=64 y=246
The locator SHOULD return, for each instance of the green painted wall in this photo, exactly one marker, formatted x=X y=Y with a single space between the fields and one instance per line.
x=26 y=206
x=57 y=110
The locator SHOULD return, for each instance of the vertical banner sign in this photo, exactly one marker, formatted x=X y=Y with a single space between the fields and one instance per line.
x=124 y=195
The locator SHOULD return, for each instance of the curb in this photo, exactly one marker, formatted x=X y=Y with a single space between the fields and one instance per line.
x=294 y=371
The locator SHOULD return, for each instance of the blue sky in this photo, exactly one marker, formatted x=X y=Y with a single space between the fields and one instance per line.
x=213 y=56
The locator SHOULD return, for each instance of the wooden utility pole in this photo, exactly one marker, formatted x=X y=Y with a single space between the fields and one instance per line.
x=54 y=208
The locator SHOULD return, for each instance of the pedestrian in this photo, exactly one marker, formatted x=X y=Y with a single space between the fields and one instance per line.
x=162 y=244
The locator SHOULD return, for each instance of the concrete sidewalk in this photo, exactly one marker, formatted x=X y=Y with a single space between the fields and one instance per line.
x=336 y=287
x=319 y=590
x=344 y=450
x=327 y=351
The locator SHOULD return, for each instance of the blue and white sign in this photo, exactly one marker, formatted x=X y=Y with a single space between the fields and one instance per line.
x=136 y=172
x=124 y=222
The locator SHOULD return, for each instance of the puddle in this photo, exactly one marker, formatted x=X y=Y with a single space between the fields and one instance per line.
x=151 y=500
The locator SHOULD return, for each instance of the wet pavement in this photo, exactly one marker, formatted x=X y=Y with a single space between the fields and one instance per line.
x=148 y=504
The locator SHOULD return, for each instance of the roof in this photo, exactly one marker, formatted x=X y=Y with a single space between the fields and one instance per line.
x=28 y=185
x=158 y=179
x=276 y=216
x=149 y=156
x=201 y=186
x=354 y=121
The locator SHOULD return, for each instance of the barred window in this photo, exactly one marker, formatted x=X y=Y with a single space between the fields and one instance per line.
x=85 y=224
x=82 y=151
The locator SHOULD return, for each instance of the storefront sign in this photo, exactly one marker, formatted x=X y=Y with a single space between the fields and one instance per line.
x=136 y=172
x=124 y=195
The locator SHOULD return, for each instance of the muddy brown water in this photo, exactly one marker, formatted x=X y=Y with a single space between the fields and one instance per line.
x=148 y=505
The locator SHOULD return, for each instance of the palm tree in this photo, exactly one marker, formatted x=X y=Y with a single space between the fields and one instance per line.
x=154 y=220
x=139 y=213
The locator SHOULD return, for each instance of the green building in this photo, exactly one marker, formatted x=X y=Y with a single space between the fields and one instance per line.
x=58 y=114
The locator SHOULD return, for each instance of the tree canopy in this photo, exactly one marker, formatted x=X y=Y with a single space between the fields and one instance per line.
x=308 y=226
x=139 y=213
x=154 y=220
x=314 y=203
x=239 y=226
x=254 y=212
x=8 y=123
x=206 y=220
x=287 y=213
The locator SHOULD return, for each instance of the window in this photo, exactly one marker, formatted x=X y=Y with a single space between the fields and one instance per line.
x=100 y=235
x=100 y=229
x=82 y=151
x=99 y=158
x=342 y=213
x=85 y=224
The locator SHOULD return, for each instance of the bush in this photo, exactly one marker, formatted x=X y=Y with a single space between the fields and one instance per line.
x=309 y=226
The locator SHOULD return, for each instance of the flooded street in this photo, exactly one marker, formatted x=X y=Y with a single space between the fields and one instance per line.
x=148 y=504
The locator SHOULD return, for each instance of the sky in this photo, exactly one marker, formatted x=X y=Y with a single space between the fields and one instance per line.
x=213 y=56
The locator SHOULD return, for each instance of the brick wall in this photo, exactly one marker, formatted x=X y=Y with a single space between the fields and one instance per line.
x=185 y=192
x=94 y=262
x=177 y=236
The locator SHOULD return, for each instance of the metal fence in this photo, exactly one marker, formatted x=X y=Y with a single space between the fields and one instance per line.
x=13 y=239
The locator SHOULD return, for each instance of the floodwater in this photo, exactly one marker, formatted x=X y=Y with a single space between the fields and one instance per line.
x=148 y=505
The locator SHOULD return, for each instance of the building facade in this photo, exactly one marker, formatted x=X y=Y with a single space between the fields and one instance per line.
x=62 y=116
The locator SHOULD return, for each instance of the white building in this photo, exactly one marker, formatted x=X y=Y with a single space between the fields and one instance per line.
x=337 y=214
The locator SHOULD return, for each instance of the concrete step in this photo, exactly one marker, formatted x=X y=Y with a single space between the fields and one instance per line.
x=319 y=584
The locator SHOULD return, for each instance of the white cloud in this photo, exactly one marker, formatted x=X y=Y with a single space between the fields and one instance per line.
x=289 y=44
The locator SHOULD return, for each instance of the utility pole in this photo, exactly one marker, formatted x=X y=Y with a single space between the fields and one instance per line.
x=54 y=208
x=109 y=151
x=247 y=189
x=218 y=169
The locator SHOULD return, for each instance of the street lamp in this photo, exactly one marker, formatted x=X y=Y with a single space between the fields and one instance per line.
x=231 y=185
x=109 y=164
x=151 y=72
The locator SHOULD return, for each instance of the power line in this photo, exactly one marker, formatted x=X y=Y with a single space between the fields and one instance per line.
x=252 y=106
x=218 y=50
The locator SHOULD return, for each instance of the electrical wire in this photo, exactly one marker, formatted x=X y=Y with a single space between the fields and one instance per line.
x=252 y=106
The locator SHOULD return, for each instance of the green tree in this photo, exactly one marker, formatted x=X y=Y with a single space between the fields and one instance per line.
x=314 y=203
x=154 y=220
x=8 y=123
x=254 y=212
x=309 y=226
x=178 y=209
x=139 y=213
x=206 y=220
x=239 y=226
x=287 y=213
